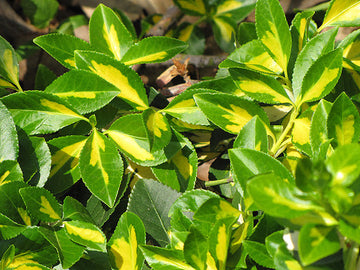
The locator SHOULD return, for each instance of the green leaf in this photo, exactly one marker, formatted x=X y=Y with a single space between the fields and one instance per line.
x=219 y=239
x=278 y=197
x=349 y=231
x=158 y=198
x=180 y=171
x=317 y=242
x=252 y=56
x=124 y=78
x=183 y=107
x=41 y=204
x=237 y=10
x=192 y=7
x=7 y=257
x=344 y=164
x=273 y=31
x=62 y=47
x=108 y=34
x=86 y=234
x=253 y=136
x=343 y=122
x=153 y=50
x=316 y=47
x=74 y=210
x=165 y=259
x=196 y=249
x=157 y=129
x=193 y=36
x=68 y=251
x=34 y=159
x=342 y=14
x=83 y=90
x=228 y=112
x=258 y=253
x=127 y=22
x=65 y=154
x=299 y=30
x=38 y=113
x=129 y=133
x=188 y=202
x=224 y=85
x=9 y=66
x=224 y=29
x=300 y=133
x=40 y=12
x=246 y=163
x=124 y=244
x=10 y=171
x=351 y=44
x=44 y=77
x=101 y=167
x=318 y=130
x=321 y=77
x=10 y=229
x=9 y=140
x=246 y=32
x=260 y=87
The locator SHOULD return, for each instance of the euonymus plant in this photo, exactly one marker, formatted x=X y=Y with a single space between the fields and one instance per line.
x=280 y=121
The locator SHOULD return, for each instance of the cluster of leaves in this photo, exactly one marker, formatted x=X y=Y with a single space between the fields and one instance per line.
x=282 y=111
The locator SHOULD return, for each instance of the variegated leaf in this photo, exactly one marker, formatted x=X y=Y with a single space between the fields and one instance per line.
x=124 y=244
x=351 y=46
x=9 y=66
x=124 y=78
x=62 y=47
x=65 y=154
x=101 y=167
x=157 y=129
x=260 y=87
x=224 y=32
x=236 y=9
x=273 y=31
x=86 y=234
x=343 y=122
x=321 y=77
x=10 y=171
x=10 y=229
x=84 y=90
x=192 y=7
x=253 y=56
x=228 y=112
x=38 y=112
x=300 y=133
x=108 y=34
x=153 y=50
x=40 y=203
x=342 y=13
x=196 y=249
x=9 y=146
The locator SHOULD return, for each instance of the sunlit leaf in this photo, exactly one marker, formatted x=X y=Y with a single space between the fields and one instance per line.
x=38 y=113
x=124 y=243
x=108 y=34
x=273 y=31
x=258 y=253
x=62 y=47
x=343 y=122
x=9 y=66
x=86 y=234
x=300 y=133
x=74 y=210
x=41 y=204
x=192 y=7
x=153 y=50
x=9 y=146
x=101 y=167
x=125 y=79
x=224 y=32
x=196 y=249
x=228 y=112
x=342 y=13
x=10 y=171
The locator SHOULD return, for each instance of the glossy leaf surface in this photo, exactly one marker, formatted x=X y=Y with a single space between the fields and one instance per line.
x=101 y=167
x=153 y=50
x=108 y=34
x=228 y=112
x=62 y=47
x=9 y=66
x=38 y=113
x=9 y=147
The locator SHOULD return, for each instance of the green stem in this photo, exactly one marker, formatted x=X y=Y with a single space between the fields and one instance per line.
x=351 y=256
x=217 y=182
x=283 y=135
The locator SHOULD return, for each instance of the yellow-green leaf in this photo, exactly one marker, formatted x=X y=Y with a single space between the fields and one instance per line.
x=342 y=13
x=101 y=167
x=125 y=79
x=192 y=7
x=9 y=66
